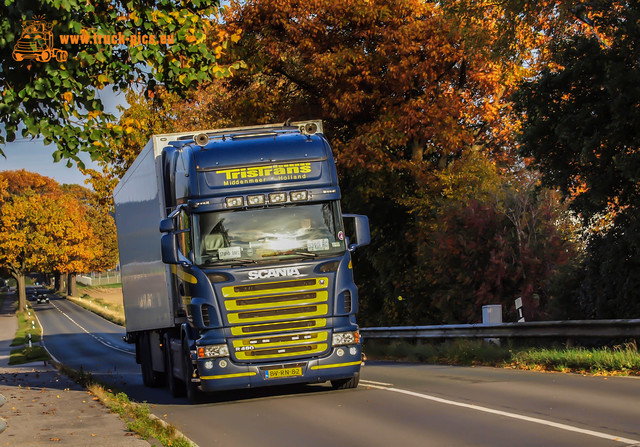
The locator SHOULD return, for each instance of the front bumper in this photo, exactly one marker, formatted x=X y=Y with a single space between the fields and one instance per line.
x=222 y=374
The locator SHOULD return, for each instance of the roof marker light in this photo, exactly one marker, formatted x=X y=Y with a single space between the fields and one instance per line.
x=297 y=196
x=277 y=197
x=255 y=200
x=234 y=202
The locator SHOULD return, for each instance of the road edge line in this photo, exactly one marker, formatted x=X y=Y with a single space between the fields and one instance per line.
x=512 y=415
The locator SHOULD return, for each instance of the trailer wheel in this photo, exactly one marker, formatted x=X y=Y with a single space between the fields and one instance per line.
x=176 y=386
x=150 y=377
x=345 y=384
x=194 y=395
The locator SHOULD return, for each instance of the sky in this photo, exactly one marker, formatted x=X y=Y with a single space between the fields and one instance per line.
x=34 y=156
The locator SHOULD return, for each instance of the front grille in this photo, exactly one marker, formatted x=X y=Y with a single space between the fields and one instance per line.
x=269 y=286
x=274 y=299
x=277 y=312
x=272 y=352
x=267 y=347
x=265 y=312
x=276 y=327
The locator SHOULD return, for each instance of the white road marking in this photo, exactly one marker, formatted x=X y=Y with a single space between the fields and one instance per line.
x=98 y=339
x=510 y=415
x=371 y=382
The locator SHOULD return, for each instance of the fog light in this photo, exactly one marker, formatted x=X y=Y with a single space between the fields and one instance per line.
x=297 y=196
x=353 y=350
x=340 y=352
x=277 y=197
x=208 y=364
x=233 y=202
x=212 y=351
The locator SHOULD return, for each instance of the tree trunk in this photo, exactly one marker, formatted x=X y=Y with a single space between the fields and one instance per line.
x=417 y=151
x=60 y=283
x=22 y=292
x=71 y=284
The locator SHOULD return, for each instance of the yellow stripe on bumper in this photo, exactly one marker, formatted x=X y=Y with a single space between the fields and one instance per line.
x=336 y=365
x=229 y=376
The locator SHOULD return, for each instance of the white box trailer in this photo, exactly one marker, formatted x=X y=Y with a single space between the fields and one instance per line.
x=140 y=206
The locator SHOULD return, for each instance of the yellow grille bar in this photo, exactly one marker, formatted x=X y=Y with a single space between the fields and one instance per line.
x=276 y=300
x=274 y=353
x=282 y=340
x=279 y=327
x=278 y=314
x=297 y=285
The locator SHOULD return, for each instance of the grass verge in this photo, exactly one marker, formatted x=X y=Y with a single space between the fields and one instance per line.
x=109 y=311
x=618 y=360
x=137 y=416
x=27 y=326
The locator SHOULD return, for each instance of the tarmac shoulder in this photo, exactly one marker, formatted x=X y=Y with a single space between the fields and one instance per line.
x=43 y=406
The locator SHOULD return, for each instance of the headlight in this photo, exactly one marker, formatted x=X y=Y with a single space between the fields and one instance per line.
x=345 y=338
x=207 y=352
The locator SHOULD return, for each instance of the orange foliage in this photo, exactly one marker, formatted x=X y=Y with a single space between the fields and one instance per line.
x=45 y=228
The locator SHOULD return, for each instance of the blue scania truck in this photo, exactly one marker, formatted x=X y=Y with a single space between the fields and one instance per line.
x=236 y=265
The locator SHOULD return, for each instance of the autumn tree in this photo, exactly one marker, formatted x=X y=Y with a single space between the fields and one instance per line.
x=410 y=99
x=27 y=226
x=45 y=229
x=100 y=243
x=57 y=97
x=408 y=96
x=581 y=125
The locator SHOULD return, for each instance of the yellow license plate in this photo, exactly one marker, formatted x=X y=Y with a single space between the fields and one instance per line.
x=285 y=372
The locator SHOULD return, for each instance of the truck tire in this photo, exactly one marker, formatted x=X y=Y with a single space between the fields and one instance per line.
x=176 y=386
x=150 y=377
x=194 y=395
x=345 y=384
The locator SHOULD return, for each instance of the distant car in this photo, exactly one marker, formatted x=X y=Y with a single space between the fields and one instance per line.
x=42 y=298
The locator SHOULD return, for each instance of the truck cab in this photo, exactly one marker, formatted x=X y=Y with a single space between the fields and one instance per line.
x=261 y=279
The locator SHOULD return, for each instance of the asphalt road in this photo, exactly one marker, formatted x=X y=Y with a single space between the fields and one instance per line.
x=397 y=404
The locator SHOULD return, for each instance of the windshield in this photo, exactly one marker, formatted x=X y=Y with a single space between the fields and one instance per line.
x=267 y=234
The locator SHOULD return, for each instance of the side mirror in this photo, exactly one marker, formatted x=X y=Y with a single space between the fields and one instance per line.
x=360 y=225
x=166 y=225
x=169 y=248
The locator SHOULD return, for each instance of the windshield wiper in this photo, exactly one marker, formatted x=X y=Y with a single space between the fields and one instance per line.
x=291 y=254
x=305 y=253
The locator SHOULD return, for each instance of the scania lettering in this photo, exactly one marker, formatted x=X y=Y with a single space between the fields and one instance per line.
x=271 y=273
x=236 y=266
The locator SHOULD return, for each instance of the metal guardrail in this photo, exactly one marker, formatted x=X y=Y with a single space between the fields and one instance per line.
x=567 y=328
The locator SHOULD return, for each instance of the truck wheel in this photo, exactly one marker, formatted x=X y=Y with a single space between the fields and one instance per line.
x=176 y=386
x=194 y=395
x=150 y=377
x=345 y=384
